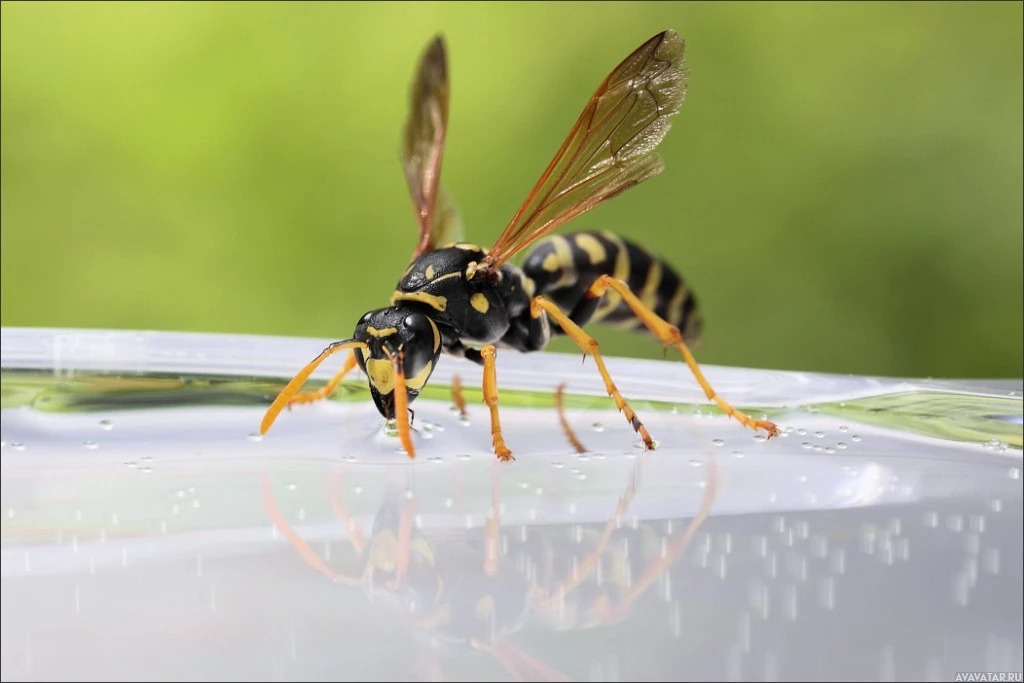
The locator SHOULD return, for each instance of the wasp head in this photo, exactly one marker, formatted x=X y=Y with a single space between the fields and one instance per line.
x=396 y=337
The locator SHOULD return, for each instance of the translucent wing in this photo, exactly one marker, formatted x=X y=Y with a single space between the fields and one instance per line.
x=610 y=149
x=423 y=143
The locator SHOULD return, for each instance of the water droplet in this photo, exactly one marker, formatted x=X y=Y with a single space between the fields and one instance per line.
x=146 y=469
x=436 y=459
x=597 y=427
x=255 y=436
x=695 y=463
x=855 y=437
x=464 y=420
x=996 y=505
x=841 y=446
x=428 y=434
x=18 y=446
x=195 y=502
x=844 y=428
x=557 y=465
x=454 y=409
x=357 y=489
x=829 y=450
x=718 y=442
x=1014 y=473
x=820 y=435
x=180 y=493
x=463 y=456
x=409 y=494
x=806 y=444
x=146 y=458
x=91 y=445
x=106 y=424
x=581 y=476
x=737 y=454
x=760 y=438
x=449 y=502
x=539 y=490
x=819 y=449
x=132 y=464
x=802 y=431
x=524 y=485
x=674 y=410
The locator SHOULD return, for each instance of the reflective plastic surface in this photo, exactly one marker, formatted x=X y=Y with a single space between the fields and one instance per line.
x=150 y=534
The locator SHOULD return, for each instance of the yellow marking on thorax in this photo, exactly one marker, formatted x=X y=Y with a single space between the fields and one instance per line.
x=381 y=373
x=416 y=382
x=479 y=302
x=590 y=244
x=429 y=273
x=621 y=272
x=649 y=295
x=675 y=306
x=438 y=303
x=386 y=332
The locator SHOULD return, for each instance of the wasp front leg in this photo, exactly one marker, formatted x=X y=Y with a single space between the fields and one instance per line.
x=328 y=389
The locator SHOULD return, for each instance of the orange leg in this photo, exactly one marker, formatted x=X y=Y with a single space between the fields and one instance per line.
x=293 y=386
x=669 y=334
x=491 y=399
x=329 y=388
x=589 y=346
x=457 y=398
x=401 y=403
x=569 y=433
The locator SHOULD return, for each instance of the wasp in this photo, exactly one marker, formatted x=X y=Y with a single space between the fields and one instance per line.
x=466 y=301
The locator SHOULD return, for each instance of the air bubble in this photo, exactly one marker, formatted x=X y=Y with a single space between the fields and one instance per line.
x=106 y=424
x=91 y=445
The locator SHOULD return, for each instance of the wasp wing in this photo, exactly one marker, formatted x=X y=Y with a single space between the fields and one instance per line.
x=610 y=149
x=423 y=147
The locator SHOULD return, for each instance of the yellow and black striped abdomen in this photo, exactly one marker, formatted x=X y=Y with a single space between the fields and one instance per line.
x=563 y=267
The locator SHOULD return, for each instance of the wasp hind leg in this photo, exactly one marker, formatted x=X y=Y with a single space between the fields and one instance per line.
x=669 y=334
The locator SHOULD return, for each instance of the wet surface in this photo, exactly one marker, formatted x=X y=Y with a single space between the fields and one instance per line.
x=149 y=533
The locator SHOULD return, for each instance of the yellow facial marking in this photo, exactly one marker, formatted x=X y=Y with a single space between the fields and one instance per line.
x=437 y=334
x=416 y=383
x=438 y=303
x=479 y=302
x=429 y=272
x=381 y=374
x=386 y=332
x=590 y=244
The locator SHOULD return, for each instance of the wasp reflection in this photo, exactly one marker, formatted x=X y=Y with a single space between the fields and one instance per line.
x=467 y=589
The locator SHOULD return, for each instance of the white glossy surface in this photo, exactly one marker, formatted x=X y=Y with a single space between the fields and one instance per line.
x=138 y=541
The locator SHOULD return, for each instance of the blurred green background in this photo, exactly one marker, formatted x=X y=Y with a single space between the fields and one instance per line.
x=843 y=185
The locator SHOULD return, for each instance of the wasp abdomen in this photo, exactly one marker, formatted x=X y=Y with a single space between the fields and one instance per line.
x=563 y=267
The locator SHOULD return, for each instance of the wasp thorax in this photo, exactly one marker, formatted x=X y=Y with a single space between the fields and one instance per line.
x=397 y=337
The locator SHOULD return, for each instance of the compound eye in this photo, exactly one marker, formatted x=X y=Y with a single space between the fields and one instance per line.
x=414 y=321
